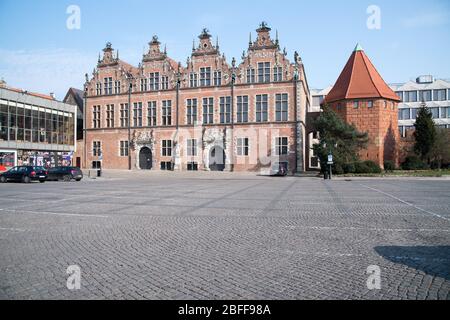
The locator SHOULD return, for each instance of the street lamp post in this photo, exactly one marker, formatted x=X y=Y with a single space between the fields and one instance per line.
x=130 y=79
x=233 y=81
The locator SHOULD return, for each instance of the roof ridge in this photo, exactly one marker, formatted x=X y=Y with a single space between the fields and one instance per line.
x=351 y=78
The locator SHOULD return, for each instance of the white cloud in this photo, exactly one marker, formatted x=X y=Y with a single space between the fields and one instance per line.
x=427 y=20
x=45 y=70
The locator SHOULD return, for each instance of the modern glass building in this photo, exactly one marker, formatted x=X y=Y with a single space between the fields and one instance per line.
x=35 y=129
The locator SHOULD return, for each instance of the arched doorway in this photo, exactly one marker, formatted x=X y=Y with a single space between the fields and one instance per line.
x=145 y=158
x=217 y=159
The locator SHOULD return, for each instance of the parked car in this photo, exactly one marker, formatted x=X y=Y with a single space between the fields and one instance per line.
x=65 y=174
x=24 y=174
x=279 y=169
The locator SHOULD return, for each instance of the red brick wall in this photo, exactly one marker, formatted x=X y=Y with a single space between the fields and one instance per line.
x=381 y=124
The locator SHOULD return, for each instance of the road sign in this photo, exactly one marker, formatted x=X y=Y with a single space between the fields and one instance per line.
x=330 y=159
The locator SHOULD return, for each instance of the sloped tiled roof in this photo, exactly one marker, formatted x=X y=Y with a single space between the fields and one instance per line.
x=360 y=80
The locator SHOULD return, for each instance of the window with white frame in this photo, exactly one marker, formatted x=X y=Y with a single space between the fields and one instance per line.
x=96 y=117
x=263 y=72
x=191 y=147
x=154 y=81
x=281 y=107
x=96 y=148
x=110 y=116
x=144 y=84
x=242 y=109
x=281 y=146
x=242 y=146
x=98 y=87
x=277 y=74
x=123 y=148
x=262 y=108
x=137 y=114
x=108 y=85
x=440 y=95
x=250 y=75
x=166 y=148
x=117 y=87
x=410 y=96
x=217 y=78
x=225 y=109
x=124 y=115
x=151 y=113
x=165 y=83
x=208 y=110
x=193 y=80
x=425 y=95
x=167 y=112
x=205 y=77
x=191 y=111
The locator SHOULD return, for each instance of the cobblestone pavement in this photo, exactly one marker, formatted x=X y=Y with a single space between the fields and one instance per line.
x=225 y=236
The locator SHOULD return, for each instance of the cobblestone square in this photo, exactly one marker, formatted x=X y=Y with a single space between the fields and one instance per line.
x=205 y=235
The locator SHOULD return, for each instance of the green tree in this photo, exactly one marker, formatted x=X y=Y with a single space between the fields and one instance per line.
x=343 y=140
x=440 y=152
x=425 y=133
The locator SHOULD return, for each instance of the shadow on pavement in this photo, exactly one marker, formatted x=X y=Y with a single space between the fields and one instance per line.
x=433 y=260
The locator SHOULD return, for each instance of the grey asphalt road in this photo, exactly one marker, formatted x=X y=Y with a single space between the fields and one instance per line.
x=225 y=236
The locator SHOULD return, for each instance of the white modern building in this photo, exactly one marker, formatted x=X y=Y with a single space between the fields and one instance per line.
x=425 y=89
x=35 y=129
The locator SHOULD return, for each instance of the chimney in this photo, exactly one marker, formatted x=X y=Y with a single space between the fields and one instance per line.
x=2 y=83
x=52 y=94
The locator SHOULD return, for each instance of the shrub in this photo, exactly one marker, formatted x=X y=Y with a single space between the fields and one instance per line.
x=389 y=165
x=373 y=167
x=349 y=168
x=413 y=163
x=337 y=169
x=367 y=167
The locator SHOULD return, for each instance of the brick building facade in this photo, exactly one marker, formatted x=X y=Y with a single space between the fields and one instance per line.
x=361 y=97
x=204 y=115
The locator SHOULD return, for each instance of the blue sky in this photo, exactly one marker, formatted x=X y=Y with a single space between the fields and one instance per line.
x=38 y=52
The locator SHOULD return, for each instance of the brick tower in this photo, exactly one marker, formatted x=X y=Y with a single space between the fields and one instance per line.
x=361 y=97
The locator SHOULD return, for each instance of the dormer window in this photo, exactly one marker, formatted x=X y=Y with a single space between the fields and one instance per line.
x=99 y=89
x=116 y=87
x=277 y=74
x=143 y=85
x=108 y=85
x=263 y=72
x=154 y=81
x=217 y=78
x=193 y=78
x=164 y=82
x=205 y=77
x=250 y=75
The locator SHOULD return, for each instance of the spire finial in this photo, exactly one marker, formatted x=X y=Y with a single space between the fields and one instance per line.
x=250 y=39
x=358 y=48
x=193 y=44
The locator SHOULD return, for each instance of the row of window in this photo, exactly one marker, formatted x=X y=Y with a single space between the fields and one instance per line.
x=404 y=129
x=411 y=113
x=204 y=78
x=424 y=95
x=24 y=123
x=242 y=112
x=281 y=147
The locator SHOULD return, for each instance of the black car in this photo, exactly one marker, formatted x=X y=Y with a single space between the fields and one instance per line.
x=65 y=174
x=24 y=174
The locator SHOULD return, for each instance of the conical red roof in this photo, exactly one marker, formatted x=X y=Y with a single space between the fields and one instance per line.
x=360 y=80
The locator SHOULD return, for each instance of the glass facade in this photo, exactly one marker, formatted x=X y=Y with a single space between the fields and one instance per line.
x=27 y=123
